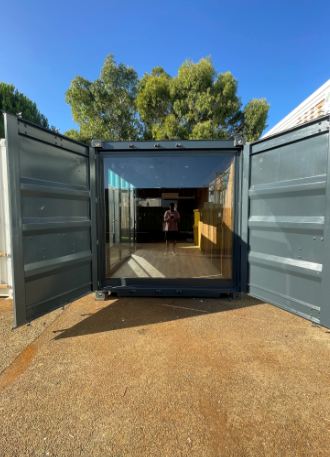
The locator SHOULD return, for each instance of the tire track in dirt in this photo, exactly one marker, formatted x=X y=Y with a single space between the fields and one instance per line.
x=24 y=359
x=18 y=366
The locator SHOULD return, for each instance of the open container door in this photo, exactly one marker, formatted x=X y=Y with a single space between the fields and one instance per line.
x=286 y=219
x=52 y=199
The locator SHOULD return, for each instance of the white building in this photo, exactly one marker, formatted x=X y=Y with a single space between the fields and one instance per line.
x=5 y=242
x=314 y=106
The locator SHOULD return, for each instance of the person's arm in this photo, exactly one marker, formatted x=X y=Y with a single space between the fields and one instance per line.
x=166 y=216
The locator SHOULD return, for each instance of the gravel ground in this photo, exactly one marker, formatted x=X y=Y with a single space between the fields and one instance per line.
x=12 y=342
x=168 y=377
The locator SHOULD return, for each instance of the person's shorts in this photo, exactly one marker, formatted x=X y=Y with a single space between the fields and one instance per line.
x=171 y=235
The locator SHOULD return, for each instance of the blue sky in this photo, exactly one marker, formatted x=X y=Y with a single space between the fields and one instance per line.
x=276 y=49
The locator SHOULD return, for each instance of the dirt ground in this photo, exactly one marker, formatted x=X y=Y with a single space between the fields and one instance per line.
x=12 y=342
x=169 y=378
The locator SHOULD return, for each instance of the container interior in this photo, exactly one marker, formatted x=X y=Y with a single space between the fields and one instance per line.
x=140 y=193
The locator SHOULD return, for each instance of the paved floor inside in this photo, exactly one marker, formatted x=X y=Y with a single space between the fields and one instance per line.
x=151 y=260
x=169 y=377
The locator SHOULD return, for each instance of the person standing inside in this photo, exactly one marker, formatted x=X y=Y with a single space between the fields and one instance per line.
x=171 y=227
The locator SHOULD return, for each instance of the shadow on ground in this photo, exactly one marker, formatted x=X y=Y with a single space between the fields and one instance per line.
x=127 y=312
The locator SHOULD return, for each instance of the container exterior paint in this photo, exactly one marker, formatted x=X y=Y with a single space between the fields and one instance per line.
x=53 y=225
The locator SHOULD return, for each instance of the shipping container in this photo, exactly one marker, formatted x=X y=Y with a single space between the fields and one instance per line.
x=168 y=218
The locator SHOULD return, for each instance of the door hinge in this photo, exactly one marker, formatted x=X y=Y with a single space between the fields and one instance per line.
x=239 y=140
x=97 y=144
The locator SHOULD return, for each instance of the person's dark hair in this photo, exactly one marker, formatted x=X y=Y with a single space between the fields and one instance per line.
x=172 y=206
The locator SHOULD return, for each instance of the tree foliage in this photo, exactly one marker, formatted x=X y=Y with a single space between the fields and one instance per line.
x=77 y=136
x=255 y=116
x=197 y=103
x=105 y=108
x=14 y=102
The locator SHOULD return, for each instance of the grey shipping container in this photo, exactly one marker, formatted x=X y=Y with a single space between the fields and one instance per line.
x=258 y=215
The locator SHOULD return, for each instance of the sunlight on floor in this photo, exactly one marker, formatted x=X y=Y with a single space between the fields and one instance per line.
x=151 y=260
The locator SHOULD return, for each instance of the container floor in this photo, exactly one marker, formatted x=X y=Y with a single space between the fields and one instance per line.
x=151 y=260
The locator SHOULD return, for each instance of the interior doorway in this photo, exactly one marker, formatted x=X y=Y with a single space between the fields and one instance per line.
x=199 y=186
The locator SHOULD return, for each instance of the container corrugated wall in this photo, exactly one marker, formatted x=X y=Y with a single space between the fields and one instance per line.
x=288 y=220
x=51 y=182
